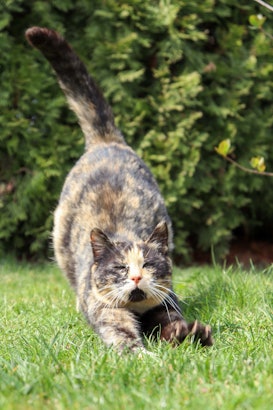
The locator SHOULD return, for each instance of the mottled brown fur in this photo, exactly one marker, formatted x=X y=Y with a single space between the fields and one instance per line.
x=122 y=279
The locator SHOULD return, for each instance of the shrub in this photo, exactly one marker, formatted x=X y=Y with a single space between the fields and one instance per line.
x=180 y=77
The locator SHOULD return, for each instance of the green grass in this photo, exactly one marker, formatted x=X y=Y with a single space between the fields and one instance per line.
x=51 y=359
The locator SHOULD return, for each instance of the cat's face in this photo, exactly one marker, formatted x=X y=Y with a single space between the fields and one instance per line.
x=132 y=275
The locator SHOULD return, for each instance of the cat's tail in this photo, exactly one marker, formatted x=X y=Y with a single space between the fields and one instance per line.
x=84 y=97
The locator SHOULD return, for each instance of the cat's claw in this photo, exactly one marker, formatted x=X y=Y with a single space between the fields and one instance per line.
x=177 y=331
x=201 y=333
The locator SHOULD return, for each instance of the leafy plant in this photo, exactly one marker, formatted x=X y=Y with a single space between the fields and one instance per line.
x=178 y=74
x=224 y=148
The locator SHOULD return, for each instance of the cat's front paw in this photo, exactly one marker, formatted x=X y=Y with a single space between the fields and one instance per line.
x=176 y=331
x=201 y=333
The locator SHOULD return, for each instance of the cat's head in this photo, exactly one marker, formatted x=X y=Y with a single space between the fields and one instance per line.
x=136 y=275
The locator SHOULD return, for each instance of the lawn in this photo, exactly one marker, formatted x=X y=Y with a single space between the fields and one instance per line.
x=51 y=359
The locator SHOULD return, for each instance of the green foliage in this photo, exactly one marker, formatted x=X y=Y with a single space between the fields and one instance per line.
x=181 y=76
x=224 y=148
x=258 y=163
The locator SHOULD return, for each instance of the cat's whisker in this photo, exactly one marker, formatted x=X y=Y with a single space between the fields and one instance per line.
x=165 y=290
x=171 y=301
x=169 y=290
x=157 y=295
x=114 y=298
x=161 y=297
x=174 y=305
x=167 y=310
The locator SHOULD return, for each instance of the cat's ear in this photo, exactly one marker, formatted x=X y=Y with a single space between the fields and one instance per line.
x=100 y=243
x=159 y=237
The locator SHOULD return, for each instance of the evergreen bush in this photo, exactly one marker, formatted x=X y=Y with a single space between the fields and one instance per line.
x=181 y=76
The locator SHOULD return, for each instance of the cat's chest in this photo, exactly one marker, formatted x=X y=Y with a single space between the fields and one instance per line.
x=142 y=307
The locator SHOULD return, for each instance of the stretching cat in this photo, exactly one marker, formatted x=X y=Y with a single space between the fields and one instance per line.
x=122 y=278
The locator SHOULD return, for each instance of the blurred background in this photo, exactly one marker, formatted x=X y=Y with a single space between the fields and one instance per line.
x=181 y=77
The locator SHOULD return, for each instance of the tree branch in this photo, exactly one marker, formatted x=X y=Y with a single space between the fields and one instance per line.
x=263 y=3
x=245 y=169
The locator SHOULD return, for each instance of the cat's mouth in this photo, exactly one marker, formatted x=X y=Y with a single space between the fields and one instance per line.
x=137 y=295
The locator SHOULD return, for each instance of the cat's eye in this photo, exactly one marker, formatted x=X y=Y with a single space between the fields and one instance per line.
x=123 y=268
x=148 y=265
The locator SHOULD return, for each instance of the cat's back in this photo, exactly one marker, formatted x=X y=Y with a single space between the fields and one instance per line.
x=109 y=188
x=106 y=175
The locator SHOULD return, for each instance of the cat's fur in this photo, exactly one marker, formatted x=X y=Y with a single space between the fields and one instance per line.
x=122 y=278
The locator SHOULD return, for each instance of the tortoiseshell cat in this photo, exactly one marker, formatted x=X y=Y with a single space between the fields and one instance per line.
x=123 y=281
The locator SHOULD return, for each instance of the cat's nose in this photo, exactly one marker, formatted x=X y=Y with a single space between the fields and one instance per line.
x=136 y=279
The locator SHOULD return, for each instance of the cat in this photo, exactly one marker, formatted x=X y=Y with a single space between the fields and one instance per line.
x=112 y=235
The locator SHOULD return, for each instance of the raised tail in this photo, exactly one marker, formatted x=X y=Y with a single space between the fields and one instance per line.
x=83 y=96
